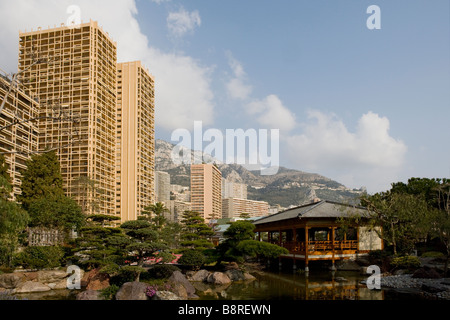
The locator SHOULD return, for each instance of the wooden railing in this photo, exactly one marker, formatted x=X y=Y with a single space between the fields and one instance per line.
x=295 y=246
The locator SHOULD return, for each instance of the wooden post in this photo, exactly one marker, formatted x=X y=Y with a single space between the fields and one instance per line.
x=279 y=243
x=357 y=241
x=333 y=267
x=306 y=249
x=294 y=241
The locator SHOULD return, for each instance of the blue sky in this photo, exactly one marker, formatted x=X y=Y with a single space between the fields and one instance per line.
x=363 y=107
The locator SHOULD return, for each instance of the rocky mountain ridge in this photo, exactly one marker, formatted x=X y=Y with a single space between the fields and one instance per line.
x=287 y=187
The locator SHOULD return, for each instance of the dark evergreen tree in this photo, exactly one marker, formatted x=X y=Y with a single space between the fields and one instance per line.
x=43 y=195
x=41 y=179
x=13 y=219
x=196 y=234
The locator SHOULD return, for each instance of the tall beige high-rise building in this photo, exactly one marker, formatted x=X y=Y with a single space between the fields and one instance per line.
x=177 y=209
x=162 y=187
x=135 y=153
x=233 y=189
x=18 y=133
x=206 y=193
x=77 y=81
x=97 y=113
x=234 y=207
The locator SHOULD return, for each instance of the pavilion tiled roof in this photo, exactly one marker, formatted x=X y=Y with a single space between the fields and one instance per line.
x=321 y=209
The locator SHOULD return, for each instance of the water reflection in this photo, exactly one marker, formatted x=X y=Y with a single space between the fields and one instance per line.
x=62 y=294
x=284 y=286
x=318 y=285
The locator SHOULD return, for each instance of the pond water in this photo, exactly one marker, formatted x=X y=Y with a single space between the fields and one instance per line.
x=269 y=285
x=319 y=285
x=49 y=295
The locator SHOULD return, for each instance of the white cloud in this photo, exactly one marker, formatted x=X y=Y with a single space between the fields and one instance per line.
x=268 y=112
x=159 y=1
x=182 y=22
x=369 y=156
x=271 y=113
x=182 y=89
x=182 y=84
x=237 y=87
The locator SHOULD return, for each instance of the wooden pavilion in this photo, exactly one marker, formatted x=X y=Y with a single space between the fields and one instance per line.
x=315 y=232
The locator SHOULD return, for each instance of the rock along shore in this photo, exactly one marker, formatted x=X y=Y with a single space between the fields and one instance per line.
x=431 y=288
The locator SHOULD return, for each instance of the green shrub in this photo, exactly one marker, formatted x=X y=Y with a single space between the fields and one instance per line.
x=109 y=293
x=111 y=269
x=125 y=274
x=263 y=249
x=210 y=256
x=121 y=278
x=433 y=254
x=40 y=257
x=405 y=262
x=192 y=258
x=161 y=271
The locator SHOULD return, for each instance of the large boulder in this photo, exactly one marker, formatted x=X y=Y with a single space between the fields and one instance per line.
x=179 y=289
x=218 y=278
x=9 y=280
x=32 y=286
x=94 y=280
x=426 y=272
x=101 y=281
x=58 y=285
x=89 y=295
x=432 y=288
x=181 y=286
x=200 y=276
x=48 y=276
x=165 y=295
x=132 y=291
x=232 y=266
x=348 y=265
x=235 y=275
x=29 y=276
x=249 y=277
